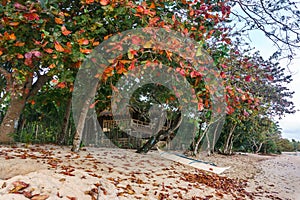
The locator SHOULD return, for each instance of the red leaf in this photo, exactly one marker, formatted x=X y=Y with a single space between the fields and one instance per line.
x=136 y=40
x=270 y=78
x=195 y=74
x=28 y=62
x=200 y=106
x=93 y=105
x=181 y=71
x=65 y=31
x=229 y=110
x=31 y=16
x=140 y=9
x=18 y=185
x=132 y=65
x=248 y=78
x=224 y=66
x=223 y=75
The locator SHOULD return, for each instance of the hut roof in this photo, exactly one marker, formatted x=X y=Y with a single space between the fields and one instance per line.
x=106 y=113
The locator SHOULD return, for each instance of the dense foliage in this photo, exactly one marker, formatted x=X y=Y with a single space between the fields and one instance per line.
x=44 y=43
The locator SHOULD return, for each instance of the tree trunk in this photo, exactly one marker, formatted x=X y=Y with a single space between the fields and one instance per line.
x=200 y=139
x=10 y=121
x=155 y=138
x=228 y=144
x=63 y=134
x=208 y=149
x=259 y=148
x=81 y=120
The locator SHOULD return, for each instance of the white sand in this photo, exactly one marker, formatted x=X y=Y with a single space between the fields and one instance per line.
x=122 y=174
x=280 y=176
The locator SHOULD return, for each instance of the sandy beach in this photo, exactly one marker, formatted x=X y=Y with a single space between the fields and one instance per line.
x=53 y=172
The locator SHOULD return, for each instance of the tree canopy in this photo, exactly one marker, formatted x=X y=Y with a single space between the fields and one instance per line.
x=44 y=43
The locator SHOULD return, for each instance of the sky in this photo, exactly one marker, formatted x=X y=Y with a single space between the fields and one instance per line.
x=290 y=124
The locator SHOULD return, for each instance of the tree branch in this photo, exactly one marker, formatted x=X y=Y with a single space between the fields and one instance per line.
x=7 y=77
x=42 y=79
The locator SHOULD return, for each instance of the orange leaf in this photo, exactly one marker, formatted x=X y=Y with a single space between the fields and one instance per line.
x=19 y=56
x=61 y=85
x=108 y=71
x=96 y=43
x=48 y=50
x=106 y=37
x=58 y=20
x=65 y=31
x=52 y=66
x=104 y=2
x=1 y=52
x=140 y=9
x=69 y=45
x=152 y=5
x=19 y=44
x=77 y=64
x=89 y=1
x=120 y=68
x=12 y=36
x=58 y=47
x=86 y=51
x=83 y=41
x=14 y=23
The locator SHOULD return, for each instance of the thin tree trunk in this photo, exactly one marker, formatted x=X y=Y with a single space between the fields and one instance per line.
x=82 y=119
x=208 y=145
x=200 y=139
x=229 y=140
x=259 y=148
x=214 y=138
x=63 y=134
